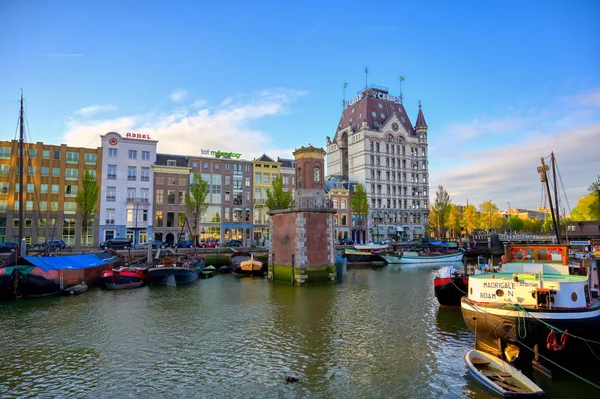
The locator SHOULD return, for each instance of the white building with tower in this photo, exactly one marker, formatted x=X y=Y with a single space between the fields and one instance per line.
x=376 y=145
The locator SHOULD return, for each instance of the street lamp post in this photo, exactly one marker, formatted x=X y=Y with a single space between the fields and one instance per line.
x=490 y=216
x=509 y=222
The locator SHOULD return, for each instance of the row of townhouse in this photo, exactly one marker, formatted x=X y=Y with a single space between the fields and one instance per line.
x=142 y=192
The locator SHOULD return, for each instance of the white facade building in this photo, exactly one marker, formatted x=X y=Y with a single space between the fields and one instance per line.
x=376 y=145
x=127 y=186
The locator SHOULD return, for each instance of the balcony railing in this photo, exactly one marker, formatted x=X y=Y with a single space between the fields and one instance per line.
x=145 y=178
x=111 y=177
x=110 y=221
x=259 y=201
x=144 y=201
x=131 y=178
x=111 y=198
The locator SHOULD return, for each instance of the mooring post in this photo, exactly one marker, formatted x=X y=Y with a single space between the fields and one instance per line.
x=293 y=272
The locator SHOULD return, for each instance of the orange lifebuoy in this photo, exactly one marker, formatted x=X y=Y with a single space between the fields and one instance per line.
x=553 y=344
x=516 y=251
x=168 y=262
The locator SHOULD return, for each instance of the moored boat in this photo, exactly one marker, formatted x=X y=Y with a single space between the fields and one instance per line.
x=363 y=258
x=172 y=274
x=208 y=272
x=499 y=376
x=431 y=257
x=250 y=267
x=450 y=284
x=35 y=276
x=533 y=299
x=125 y=277
x=392 y=258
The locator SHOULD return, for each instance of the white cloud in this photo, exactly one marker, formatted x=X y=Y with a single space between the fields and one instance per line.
x=94 y=109
x=178 y=95
x=188 y=130
x=508 y=173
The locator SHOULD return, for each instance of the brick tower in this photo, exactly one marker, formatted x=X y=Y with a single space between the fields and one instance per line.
x=302 y=246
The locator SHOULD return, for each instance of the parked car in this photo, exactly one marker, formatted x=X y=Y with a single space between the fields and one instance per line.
x=57 y=245
x=233 y=243
x=347 y=241
x=208 y=244
x=117 y=243
x=8 y=247
x=185 y=244
x=155 y=244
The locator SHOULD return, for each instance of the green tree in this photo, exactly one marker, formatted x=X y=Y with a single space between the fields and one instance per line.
x=278 y=198
x=86 y=200
x=360 y=206
x=586 y=209
x=195 y=201
x=594 y=189
x=442 y=207
x=454 y=221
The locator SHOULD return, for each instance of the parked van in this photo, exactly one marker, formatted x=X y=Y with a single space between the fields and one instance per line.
x=117 y=243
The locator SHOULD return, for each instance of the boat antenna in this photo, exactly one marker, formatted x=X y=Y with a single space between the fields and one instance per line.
x=21 y=173
x=542 y=170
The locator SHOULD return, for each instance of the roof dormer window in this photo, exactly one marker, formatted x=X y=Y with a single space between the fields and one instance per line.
x=374 y=114
x=402 y=119
x=383 y=116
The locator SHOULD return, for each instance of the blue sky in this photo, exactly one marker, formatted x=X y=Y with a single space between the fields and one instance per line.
x=502 y=83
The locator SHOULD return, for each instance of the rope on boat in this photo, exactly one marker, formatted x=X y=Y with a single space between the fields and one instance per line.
x=540 y=355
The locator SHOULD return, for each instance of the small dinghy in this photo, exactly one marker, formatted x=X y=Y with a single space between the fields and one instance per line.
x=224 y=269
x=499 y=376
x=208 y=272
x=76 y=289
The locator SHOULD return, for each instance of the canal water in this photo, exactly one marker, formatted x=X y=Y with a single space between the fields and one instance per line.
x=377 y=334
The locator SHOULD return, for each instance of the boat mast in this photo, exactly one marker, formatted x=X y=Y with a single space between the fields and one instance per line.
x=555 y=191
x=21 y=173
x=544 y=179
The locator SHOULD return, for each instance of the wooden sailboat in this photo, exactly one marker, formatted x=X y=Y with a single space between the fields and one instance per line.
x=250 y=267
x=24 y=276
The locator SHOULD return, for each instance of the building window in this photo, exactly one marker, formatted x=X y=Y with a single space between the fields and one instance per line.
x=112 y=172
x=70 y=191
x=45 y=170
x=160 y=181
x=317 y=174
x=257 y=178
x=170 y=219
x=132 y=154
x=111 y=194
x=159 y=218
x=55 y=172
x=72 y=157
x=31 y=170
x=181 y=199
x=146 y=155
x=71 y=174
x=30 y=187
x=266 y=178
x=55 y=189
x=171 y=181
x=145 y=174
x=205 y=165
x=171 y=162
x=160 y=197
x=228 y=180
x=131 y=171
x=57 y=155
x=112 y=152
x=171 y=198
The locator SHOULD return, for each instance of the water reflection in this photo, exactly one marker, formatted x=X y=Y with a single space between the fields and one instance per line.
x=378 y=334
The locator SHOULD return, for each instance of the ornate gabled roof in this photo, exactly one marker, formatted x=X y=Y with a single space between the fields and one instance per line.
x=375 y=110
x=420 y=118
x=264 y=158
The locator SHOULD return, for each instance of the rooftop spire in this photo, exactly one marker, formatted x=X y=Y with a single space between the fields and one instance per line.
x=420 y=118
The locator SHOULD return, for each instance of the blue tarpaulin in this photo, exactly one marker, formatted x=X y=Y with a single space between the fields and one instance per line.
x=70 y=262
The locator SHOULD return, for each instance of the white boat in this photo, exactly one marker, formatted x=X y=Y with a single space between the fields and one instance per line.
x=533 y=291
x=423 y=258
x=499 y=376
x=392 y=258
x=371 y=247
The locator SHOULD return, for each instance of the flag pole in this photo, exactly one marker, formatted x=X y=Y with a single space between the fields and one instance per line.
x=344 y=102
x=367 y=77
x=401 y=79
